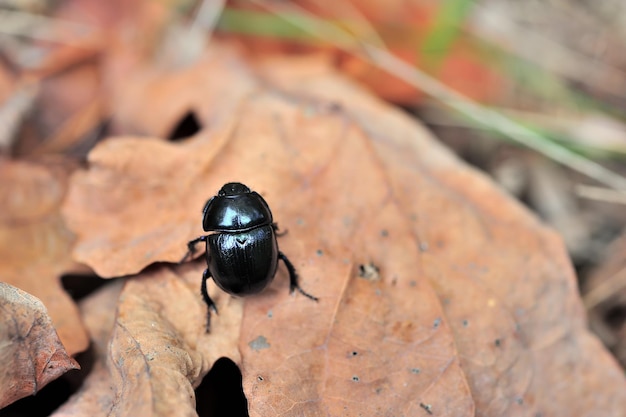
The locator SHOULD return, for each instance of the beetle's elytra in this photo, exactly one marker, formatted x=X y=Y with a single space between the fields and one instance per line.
x=242 y=252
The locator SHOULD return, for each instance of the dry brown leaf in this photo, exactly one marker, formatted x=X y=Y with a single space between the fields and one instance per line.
x=158 y=351
x=35 y=243
x=151 y=102
x=105 y=40
x=474 y=307
x=95 y=396
x=505 y=281
x=31 y=352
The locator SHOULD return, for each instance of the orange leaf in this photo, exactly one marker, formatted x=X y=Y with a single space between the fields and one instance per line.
x=464 y=303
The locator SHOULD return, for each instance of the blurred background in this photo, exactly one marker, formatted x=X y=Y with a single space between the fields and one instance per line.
x=533 y=93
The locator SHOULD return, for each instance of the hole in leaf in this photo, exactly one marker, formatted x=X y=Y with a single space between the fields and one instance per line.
x=79 y=286
x=188 y=126
x=221 y=394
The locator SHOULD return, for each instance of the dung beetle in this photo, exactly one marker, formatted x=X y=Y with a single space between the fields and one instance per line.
x=242 y=254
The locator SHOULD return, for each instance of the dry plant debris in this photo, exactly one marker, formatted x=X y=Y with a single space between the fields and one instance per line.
x=476 y=310
x=95 y=395
x=439 y=295
x=30 y=350
x=35 y=244
x=154 y=351
x=604 y=295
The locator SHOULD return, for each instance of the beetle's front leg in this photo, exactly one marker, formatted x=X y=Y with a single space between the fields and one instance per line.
x=275 y=227
x=293 y=277
x=191 y=247
x=207 y=299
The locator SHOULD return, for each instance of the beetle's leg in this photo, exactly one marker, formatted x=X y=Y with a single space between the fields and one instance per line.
x=191 y=247
x=275 y=227
x=293 y=277
x=207 y=299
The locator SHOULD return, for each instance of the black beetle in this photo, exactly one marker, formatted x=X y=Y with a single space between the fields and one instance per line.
x=242 y=255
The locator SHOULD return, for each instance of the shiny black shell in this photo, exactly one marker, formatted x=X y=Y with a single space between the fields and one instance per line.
x=242 y=255
x=243 y=263
x=235 y=209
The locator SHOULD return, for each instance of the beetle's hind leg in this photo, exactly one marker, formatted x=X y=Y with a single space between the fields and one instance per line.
x=207 y=299
x=191 y=247
x=293 y=277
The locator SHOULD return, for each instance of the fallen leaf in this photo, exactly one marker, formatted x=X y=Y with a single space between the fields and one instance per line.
x=504 y=280
x=151 y=102
x=35 y=244
x=132 y=186
x=31 y=351
x=475 y=308
x=437 y=362
x=158 y=349
x=77 y=78
x=95 y=396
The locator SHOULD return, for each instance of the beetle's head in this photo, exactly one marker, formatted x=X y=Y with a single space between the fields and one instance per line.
x=233 y=188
